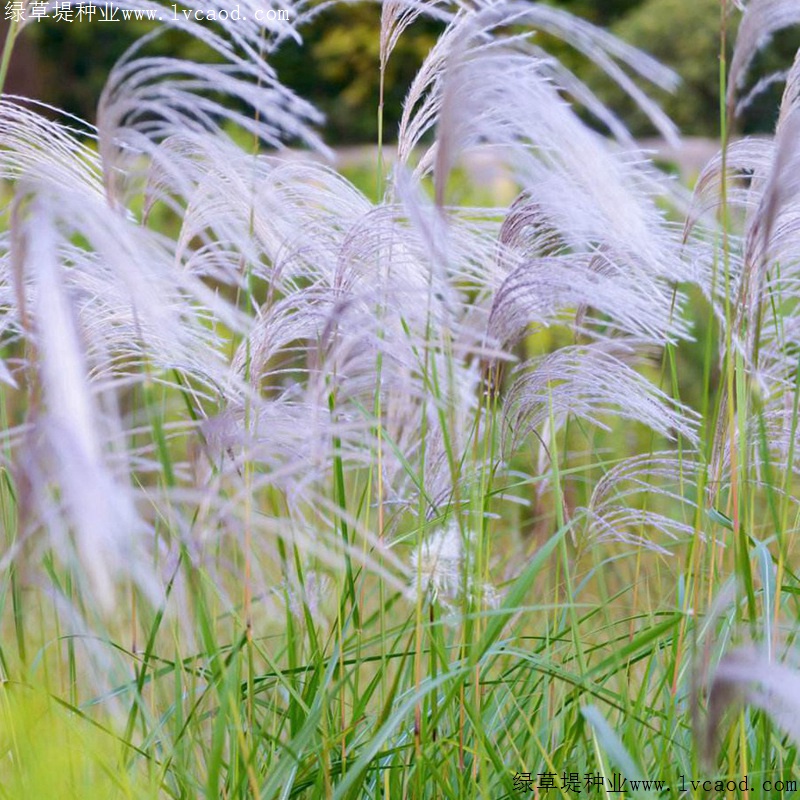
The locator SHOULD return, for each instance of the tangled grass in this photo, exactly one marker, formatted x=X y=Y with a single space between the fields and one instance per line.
x=305 y=495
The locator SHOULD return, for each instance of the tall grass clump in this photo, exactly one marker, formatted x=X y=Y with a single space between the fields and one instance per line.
x=309 y=495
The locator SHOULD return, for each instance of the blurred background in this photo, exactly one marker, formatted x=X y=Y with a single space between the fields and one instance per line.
x=66 y=64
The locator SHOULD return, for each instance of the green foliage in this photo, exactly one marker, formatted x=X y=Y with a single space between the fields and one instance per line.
x=271 y=674
x=337 y=68
x=76 y=57
x=600 y=13
x=686 y=36
x=52 y=750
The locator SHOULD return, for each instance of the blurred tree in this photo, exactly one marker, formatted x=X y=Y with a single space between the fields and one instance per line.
x=685 y=34
x=337 y=69
x=75 y=59
x=337 y=65
x=601 y=13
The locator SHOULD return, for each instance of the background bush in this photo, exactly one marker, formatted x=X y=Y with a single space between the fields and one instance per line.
x=336 y=67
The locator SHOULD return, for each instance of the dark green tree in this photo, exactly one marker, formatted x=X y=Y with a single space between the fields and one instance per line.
x=685 y=34
x=601 y=12
x=337 y=69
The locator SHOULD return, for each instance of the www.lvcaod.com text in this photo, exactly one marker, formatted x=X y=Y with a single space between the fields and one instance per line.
x=110 y=12
x=590 y=783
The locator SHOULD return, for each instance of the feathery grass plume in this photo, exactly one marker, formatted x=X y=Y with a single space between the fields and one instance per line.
x=642 y=495
x=475 y=31
x=330 y=314
x=307 y=591
x=586 y=193
x=544 y=291
x=587 y=383
x=745 y=160
x=73 y=473
x=762 y=263
x=397 y=15
x=585 y=242
x=439 y=569
x=770 y=297
x=5 y=374
x=149 y=304
x=145 y=314
x=295 y=398
x=248 y=385
x=778 y=194
x=761 y=20
x=147 y=98
x=746 y=676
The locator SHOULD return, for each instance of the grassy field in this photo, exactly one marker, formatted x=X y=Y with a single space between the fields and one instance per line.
x=404 y=482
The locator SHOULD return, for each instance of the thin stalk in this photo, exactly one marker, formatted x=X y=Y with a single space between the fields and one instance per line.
x=8 y=49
